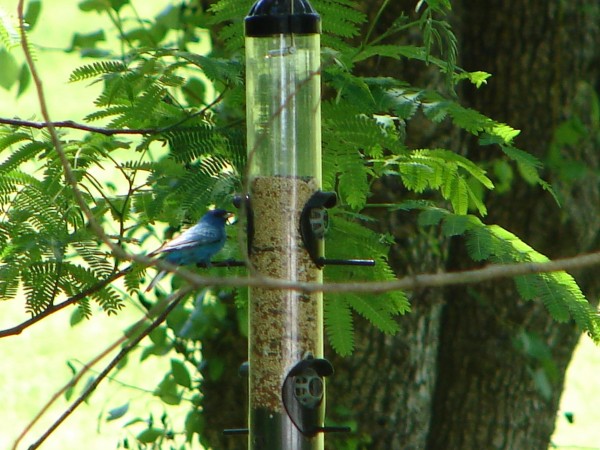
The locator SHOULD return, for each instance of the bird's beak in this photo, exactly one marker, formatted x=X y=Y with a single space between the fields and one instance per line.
x=229 y=218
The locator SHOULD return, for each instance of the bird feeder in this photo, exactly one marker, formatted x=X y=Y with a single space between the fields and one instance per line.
x=286 y=369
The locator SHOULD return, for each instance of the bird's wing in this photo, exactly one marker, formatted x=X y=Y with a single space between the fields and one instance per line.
x=198 y=235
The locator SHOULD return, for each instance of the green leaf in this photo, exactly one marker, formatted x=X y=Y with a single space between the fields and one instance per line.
x=194 y=424
x=542 y=383
x=167 y=391
x=506 y=132
x=9 y=30
x=521 y=157
x=216 y=368
x=157 y=350
x=88 y=40
x=416 y=176
x=471 y=168
x=527 y=286
x=77 y=316
x=102 y=5
x=338 y=321
x=456 y=191
x=32 y=13
x=88 y=383
x=24 y=79
x=94 y=5
x=478 y=78
x=159 y=335
x=480 y=243
x=557 y=290
x=118 y=412
x=455 y=225
x=180 y=373
x=432 y=216
x=118 y=4
x=552 y=298
x=95 y=69
x=10 y=69
x=150 y=435
x=353 y=186
x=375 y=310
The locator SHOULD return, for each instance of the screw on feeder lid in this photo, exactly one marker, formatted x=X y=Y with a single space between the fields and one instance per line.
x=270 y=17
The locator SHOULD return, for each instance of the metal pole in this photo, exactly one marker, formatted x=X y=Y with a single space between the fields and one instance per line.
x=284 y=156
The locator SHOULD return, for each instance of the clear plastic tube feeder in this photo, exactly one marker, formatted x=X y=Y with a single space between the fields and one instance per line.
x=283 y=96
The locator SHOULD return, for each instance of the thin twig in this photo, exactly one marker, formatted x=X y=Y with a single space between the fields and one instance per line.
x=67 y=169
x=407 y=283
x=76 y=126
x=172 y=301
x=108 y=131
x=72 y=383
x=18 y=329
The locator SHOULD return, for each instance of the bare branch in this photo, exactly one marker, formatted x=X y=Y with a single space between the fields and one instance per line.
x=73 y=382
x=407 y=283
x=107 y=131
x=18 y=329
x=67 y=169
x=76 y=126
x=171 y=302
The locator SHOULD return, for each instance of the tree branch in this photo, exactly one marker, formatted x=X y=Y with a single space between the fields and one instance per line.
x=18 y=329
x=407 y=283
x=171 y=302
x=76 y=126
x=73 y=382
x=107 y=131
x=67 y=169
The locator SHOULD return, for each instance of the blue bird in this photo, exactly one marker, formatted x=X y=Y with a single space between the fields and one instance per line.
x=196 y=245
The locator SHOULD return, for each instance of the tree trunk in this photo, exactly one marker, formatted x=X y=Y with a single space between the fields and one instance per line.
x=487 y=395
x=456 y=376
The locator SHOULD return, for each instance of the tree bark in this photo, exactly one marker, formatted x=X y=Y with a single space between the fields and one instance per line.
x=485 y=393
x=224 y=388
x=486 y=396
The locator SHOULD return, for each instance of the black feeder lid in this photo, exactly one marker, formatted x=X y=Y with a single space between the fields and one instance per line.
x=271 y=17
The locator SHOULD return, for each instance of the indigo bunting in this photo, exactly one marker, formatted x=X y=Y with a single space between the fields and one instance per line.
x=196 y=245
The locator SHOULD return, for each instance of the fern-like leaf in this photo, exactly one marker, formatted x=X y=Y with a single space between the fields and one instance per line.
x=133 y=278
x=557 y=290
x=338 y=324
x=10 y=35
x=76 y=279
x=351 y=240
x=96 y=69
x=376 y=309
x=40 y=284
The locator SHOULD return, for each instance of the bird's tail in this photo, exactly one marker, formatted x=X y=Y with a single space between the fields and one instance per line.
x=155 y=280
